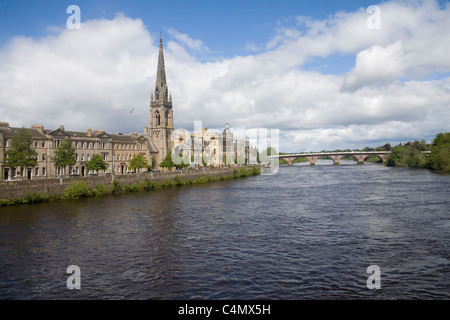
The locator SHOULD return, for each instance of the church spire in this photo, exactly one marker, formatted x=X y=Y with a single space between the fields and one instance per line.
x=161 y=71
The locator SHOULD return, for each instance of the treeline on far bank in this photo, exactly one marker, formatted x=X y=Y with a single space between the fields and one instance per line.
x=414 y=154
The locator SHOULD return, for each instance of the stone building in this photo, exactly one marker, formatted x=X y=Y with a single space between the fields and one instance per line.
x=116 y=150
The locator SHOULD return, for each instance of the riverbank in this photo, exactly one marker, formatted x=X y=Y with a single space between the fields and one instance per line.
x=33 y=191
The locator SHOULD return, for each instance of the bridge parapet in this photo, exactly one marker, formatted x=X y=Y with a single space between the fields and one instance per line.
x=335 y=156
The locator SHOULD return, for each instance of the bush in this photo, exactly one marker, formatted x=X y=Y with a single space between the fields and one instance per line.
x=168 y=183
x=255 y=171
x=116 y=188
x=133 y=188
x=35 y=197
x=77 y=190
x=100 y=190
x=178 y=181
x=14 y=201
x=243 y=172
x=200 y=180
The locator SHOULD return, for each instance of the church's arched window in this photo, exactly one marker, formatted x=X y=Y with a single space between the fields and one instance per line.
x=158 y=119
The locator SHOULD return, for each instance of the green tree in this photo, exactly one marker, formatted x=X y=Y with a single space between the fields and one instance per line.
x=21 y=154
x=96 y=163
x=265 y=154
x=439 y=159
x=138 y=162
x=65 y=154
x=167 y=162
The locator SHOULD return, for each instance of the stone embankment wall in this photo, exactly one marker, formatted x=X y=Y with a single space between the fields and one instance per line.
x=56 y=186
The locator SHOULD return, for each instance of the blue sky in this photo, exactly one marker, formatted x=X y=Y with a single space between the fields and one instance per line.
x=225 y=26
x=312 y=69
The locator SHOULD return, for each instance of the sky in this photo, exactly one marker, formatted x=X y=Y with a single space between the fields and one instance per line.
x=326 y=74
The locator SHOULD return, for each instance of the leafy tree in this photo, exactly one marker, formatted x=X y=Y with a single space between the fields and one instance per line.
x=439 y=158
x=265 y=154
x=167 y=162
x=96 y=163
x=65 y=154
x=138 y=162
x=21 y=154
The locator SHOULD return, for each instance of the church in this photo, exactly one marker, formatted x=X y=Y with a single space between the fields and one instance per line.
x=118 y=149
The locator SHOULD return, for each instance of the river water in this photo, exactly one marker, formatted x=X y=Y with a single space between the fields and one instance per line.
x=308 y=232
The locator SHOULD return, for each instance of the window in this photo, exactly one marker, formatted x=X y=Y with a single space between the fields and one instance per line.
x=76 y=145
x=105 y=157
x=158 y=119
x=57 y=143
x=82 y=145
x=36 y=171
x=82 y=157
x=88 y=157
x=5 y=143
x=36 y=144
x=43 y=144
x=88 y=145
x=77 y=157
x=104 y=145
x=44 y=157
x=43 y=171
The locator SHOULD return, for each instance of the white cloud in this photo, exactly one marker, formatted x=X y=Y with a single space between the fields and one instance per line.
x=94 y=76
x=376 y=66
x=184 y=39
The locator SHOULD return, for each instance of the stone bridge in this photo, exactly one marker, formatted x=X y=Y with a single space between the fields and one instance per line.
x=335 y=156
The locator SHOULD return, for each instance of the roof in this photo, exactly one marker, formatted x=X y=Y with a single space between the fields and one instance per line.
x=10 y=132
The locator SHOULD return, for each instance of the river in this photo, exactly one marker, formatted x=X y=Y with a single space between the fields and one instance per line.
x=308 y=232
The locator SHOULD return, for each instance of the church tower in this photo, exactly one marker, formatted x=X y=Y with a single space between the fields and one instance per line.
x=161 y=113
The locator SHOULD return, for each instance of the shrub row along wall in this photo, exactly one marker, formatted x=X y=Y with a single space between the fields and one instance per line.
x=57 y=186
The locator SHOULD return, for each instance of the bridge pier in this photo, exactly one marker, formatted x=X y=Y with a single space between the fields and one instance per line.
x=289 y=161
x=360 y=158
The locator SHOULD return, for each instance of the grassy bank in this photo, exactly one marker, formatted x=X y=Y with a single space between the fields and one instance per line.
x=80 y=190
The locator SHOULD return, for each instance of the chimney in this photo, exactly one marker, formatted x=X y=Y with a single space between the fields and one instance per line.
x=89 y=132
x=146 y=130
x=134 y=133
x=61 y=127
x=38 y=127
x=4 y=124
